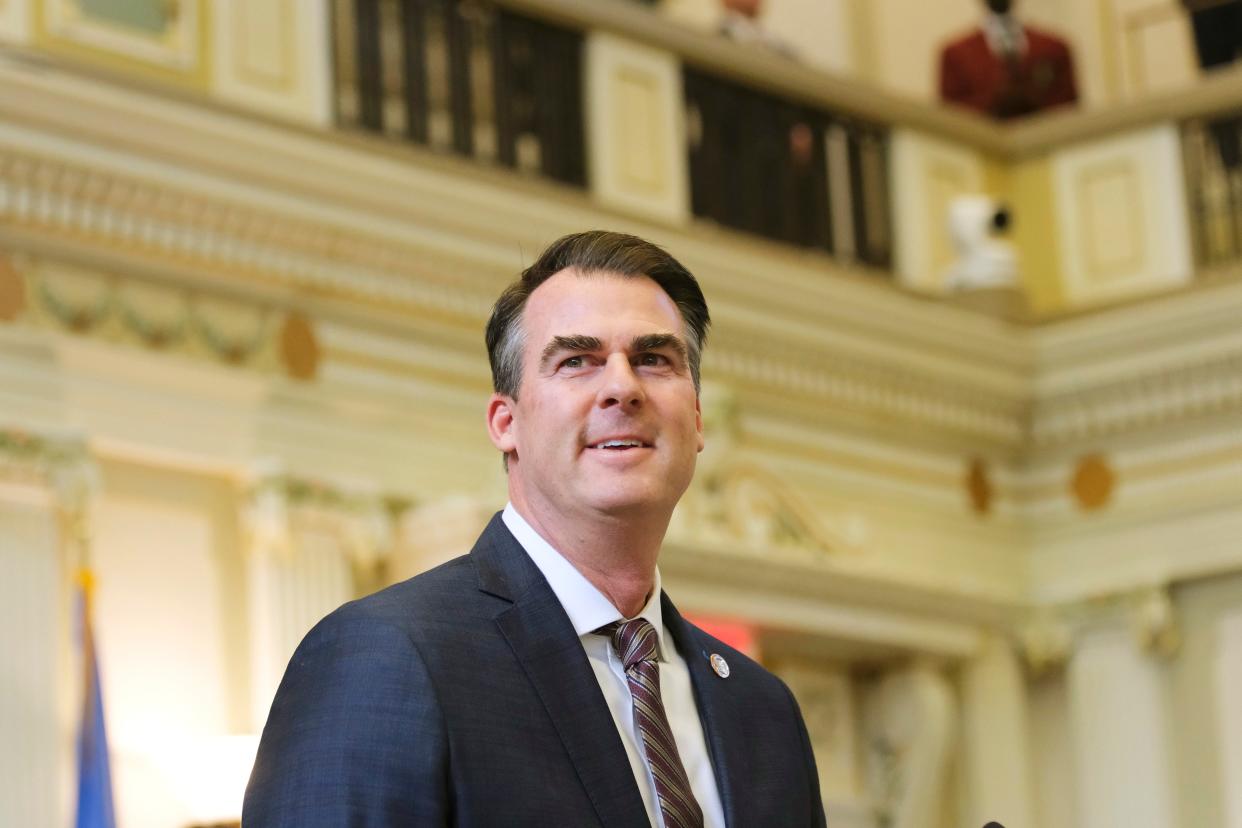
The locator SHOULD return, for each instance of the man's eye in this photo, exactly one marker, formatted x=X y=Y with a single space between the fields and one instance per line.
x=572 y=362
x=652 y=359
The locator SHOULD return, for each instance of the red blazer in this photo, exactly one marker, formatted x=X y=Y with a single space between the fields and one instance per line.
x=971 y=75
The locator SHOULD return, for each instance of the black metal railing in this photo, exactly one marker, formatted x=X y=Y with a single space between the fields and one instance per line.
x=466 y=77
x=788 y=172
x=478 y=80
x=1212 y=152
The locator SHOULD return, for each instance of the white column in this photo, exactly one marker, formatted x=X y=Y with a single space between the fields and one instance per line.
x=1117 y=707
x=911 y=721
x=32 y=626
x=997 y=742
x=299 y=569
x=438 y=531
x=826 y=698
x=1229 y=714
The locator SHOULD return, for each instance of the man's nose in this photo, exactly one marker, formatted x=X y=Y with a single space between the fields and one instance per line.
x=621 y=385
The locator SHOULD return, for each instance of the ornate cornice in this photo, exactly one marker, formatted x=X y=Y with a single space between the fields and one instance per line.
x=1153 y=364
x=830 y=346
x=223 y=245
x=389 y=260
x=61 y=465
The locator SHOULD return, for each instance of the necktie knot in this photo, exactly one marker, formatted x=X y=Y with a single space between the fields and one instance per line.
x=635 y=641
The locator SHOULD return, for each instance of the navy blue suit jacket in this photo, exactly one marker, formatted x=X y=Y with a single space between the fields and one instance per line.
x=464 y=697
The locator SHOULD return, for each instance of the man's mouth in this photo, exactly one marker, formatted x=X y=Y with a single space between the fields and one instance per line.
x=619 y=445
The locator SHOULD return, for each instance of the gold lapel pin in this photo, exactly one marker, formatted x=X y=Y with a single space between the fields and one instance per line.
x=719 y=665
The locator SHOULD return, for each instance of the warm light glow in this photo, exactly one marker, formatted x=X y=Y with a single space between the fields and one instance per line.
x=740 y=635
x=208 y=775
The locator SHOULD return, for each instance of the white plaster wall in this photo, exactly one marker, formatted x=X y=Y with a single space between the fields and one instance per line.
x=817 y=30
x=165 y=551
x=35 y=754
x=909 y=35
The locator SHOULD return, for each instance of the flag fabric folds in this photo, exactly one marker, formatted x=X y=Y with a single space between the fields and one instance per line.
x=94 y=773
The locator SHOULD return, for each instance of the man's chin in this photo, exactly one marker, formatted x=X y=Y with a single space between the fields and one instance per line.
x=626 y=502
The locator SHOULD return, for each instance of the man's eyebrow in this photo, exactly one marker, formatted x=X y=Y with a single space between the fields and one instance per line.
x=576 y=342
x=654 y=342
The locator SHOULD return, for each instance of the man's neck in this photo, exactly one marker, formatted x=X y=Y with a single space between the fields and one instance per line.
x=617 y=555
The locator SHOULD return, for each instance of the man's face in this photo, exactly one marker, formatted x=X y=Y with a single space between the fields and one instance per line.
x=607 y=420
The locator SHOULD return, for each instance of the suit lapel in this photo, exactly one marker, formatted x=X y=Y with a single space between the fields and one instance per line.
x=720 y=711
x=545 y=644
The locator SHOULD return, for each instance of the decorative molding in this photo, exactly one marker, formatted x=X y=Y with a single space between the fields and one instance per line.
x=1154 y=620
x=365 y=522
x=12 y=291
x=747 y=504
x=176 y=44
x=164 y=317
x=1050 y=635
x=635 y=117
x=63 y=465
x=134 y=216
x=979 y=487
x=1125 y=195
x=121 y=217
x=1047 y=640
x=299 y=347
x=15 y=20
x=1093 y=482
x=197 y=231
x=273 y=57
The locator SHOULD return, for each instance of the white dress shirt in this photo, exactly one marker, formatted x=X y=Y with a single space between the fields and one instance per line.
x=588 y=610
x=1004 y=35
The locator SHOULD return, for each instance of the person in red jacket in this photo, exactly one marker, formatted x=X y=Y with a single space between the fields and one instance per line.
x=1005 y=69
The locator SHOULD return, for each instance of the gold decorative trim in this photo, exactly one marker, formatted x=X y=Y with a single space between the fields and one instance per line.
x=299 y=347
x=12 y=291
x=979 y=485
x=1093 y=482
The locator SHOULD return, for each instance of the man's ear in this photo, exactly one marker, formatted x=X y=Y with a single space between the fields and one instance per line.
x=698 y=419
x=500 y=423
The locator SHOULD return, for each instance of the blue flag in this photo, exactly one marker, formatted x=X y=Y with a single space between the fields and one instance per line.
x=94 y=773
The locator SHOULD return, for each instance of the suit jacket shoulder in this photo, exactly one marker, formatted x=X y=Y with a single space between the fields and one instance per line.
x=464 y=697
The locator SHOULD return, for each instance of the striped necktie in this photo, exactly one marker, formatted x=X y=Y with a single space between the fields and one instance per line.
x=635 y=642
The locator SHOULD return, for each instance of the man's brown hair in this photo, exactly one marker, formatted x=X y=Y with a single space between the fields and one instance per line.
x=590 y=253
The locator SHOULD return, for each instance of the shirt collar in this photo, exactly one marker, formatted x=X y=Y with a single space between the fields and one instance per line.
x=1001 y=29
x=588 y=608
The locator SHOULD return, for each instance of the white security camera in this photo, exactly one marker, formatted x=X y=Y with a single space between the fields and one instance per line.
x=985 y=260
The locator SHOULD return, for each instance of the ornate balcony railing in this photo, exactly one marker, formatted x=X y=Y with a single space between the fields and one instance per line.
x=1212 y=149
x=788 y=172
x=483 y=81
x=463 y=77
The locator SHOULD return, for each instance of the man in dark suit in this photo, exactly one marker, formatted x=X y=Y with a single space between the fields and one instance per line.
x=545 y=679
x=1005 y=69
